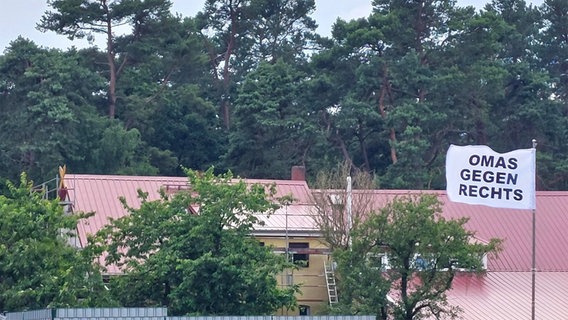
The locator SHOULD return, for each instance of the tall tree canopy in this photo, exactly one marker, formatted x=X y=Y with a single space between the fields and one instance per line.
x=47 y=107
x=248 y=85
x=86 y=18
x=248 y=32
x=271 y=111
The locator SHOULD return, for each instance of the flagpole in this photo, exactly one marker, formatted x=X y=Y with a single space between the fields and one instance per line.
x=533 y=269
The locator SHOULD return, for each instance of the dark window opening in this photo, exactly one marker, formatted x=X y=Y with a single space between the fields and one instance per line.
x=300 y=255
x=304 y=310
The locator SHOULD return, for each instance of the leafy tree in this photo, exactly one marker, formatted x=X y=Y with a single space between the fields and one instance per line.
x=49 y=97
x=415 y=35
x=395 y=88
x=246 y=33
x=386 y=93
x=155 y=73
x=120 y=151
x=186 y=125
x=272 y=128
x=344 y=81
x=47 y=107
x=38 y=267
x=503 y=93
x=522 y=101
x=165 y=98
x=197 y=263
x=553 y=42
x=85 y=18
x=168 y=58
x=279 y=30
x=424 y=253
x=383 y=72
x=227 y=20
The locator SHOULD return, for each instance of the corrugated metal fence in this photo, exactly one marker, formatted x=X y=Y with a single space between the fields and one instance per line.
x=147 y=314
x=275 y=318
x=91 y=314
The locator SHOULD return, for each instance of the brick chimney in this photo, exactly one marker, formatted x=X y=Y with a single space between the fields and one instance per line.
x=299 y=173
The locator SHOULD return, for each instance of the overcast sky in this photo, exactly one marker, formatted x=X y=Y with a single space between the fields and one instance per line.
x=19 y=18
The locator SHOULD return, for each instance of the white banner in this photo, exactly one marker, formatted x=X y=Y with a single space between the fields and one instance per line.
x=479 y=175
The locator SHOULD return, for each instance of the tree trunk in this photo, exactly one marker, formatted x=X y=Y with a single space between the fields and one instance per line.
x=111 y=65
x=225 y=103
x=392 y=135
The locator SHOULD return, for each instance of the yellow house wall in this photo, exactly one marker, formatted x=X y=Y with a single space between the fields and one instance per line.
x=311 y=279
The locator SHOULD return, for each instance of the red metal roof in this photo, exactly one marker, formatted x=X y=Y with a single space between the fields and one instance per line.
x=515 y=227
x=508 y=295
x=101 y=193
x=503 y=293
x=512 y=225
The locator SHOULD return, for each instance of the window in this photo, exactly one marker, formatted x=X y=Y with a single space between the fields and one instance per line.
x=304 y=310
x=379 y=261
x=420 y=263
x=300 y=255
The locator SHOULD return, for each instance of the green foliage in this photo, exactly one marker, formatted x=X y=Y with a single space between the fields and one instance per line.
x=46 y=108
x=206 y=263
x=424 y=252
x=119 y=151
x=270 y=111
x=249 y=86
x=245 y=34
x=553 y=43
x=38 y=267
x=187 y=126
x=85 y=18
x=276 y=30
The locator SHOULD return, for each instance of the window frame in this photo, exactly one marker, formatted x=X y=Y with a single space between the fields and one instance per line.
x=301 y=259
